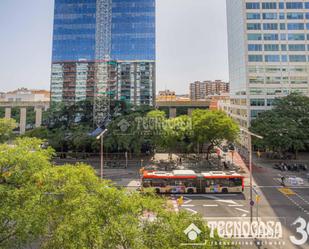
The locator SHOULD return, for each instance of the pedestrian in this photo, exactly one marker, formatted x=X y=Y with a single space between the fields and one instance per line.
x=282 y=180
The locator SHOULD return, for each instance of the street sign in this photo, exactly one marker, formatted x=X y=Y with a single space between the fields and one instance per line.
x=251 y=203
x=257 y=198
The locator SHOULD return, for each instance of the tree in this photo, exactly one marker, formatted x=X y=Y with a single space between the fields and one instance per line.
x=70 y=207
x=40 y=132
x=176 y=134
x=285 y=127
x=6 y=129
x=21 y=212
x=213 y=127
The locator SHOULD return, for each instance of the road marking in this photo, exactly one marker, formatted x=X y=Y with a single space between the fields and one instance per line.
x=235 y=205
x=244 y=215
x=228 y=201
x=211 y=205
x=242 y=210
x=286 y=191
x=191 y=210
x=302 y=198
x=187 y=200
x=187 y=205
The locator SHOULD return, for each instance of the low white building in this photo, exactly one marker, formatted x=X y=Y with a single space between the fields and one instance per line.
x=26 y=95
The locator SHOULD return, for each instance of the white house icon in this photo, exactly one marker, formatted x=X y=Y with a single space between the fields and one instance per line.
x=192 y=231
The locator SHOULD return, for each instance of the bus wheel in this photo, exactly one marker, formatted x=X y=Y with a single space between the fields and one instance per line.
x=225 y=191
x=190 y=191
x=157 y=190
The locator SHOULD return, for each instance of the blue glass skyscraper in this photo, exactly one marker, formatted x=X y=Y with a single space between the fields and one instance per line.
x=102 y=46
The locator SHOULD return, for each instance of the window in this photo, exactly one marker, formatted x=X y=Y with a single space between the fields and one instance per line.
x=282 y=37
x=254 y=37
x=281 y=16
x=297 y=58
x=252 y=5
x=307 y=5
x=294 y=5
x=272 y=58
x=270 y=102
x=281 y=6
x=257 y=102
x=255 y=58
x=296 y=37
x=235 y=182
x=307 y=15
x=282 y=26
x=295 y=15
x=296 y=26
x=283 y=47
x=253 y=26
x=271 y=47
x=270 y=26
x=256 y=91
x=253 y=16
x=297 y=47
x=273 y=91
x=254 y=47
x=270 y=37
x=255 y=113
x=307 y=26
x=284 y=58
x=273 y=80
x=269 y=16
x=256 y=80
x=269 y=5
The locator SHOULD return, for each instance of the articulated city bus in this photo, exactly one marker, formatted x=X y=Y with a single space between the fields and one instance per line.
x=187 y=181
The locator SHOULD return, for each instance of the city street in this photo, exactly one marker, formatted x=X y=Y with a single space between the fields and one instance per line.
x=283 y=203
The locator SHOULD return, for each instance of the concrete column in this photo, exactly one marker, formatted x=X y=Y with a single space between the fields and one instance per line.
x=22 y=120
x=38 y=116
x=172 y=112
x=190 y=110
x=8 y=111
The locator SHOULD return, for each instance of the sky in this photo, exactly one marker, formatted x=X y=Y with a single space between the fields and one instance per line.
x=191 y=43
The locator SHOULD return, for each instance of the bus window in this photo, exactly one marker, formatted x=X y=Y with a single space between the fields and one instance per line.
x=207 y=183
x=235 y=182
x=179 y=183
x=224 y=182
x=190 y=183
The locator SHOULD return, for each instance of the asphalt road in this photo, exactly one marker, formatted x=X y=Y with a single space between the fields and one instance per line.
x=283 y=204
x=276 y=203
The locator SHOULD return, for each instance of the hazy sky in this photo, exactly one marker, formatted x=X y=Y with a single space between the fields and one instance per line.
x=191 y=43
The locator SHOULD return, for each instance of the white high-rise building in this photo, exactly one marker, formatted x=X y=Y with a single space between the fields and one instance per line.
x=268 y=42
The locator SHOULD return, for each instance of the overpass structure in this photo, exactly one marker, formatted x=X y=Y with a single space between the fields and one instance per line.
x=38 y=106
x=190 y=105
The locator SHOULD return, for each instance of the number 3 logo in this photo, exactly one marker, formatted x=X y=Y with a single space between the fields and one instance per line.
x=303 y=230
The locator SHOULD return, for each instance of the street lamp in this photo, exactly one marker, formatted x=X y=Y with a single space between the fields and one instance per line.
x=101 y=135
x=250 y=134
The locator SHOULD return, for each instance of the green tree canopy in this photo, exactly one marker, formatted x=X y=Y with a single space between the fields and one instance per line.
x=69 y=207
x=286 y=126
x=213 y=127
x=7 y=126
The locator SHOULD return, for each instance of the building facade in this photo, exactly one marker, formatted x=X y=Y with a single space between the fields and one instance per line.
x=104 y=48
x=268 y=43
x=202 y=90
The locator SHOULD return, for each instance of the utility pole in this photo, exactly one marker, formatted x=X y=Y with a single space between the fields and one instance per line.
x=250 y=134
x=101 y=152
